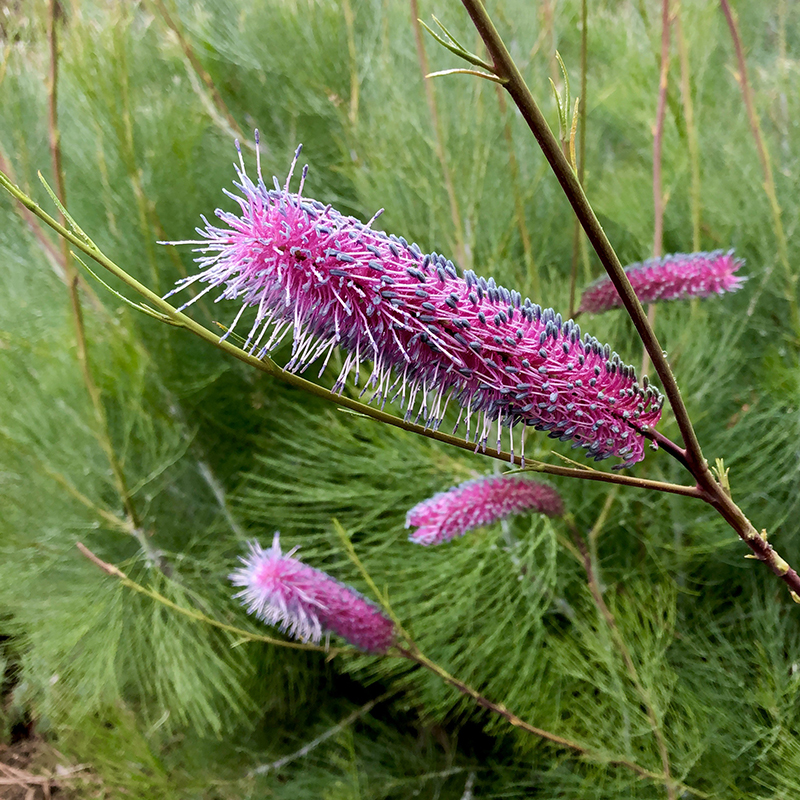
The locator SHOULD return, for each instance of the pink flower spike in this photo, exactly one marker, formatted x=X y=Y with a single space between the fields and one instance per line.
x=303 y=270
x=674 y=277
x=479 y=502
x=305 y=602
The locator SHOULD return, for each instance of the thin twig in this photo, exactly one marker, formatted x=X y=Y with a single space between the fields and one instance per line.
x=441 y=153
x=532 y=273
x=766 y=167
x=216 y=98
x=102 y=431
x=332 y=731
x=658 y=143
x=115 y=572
x=691 y=128
x=442 y=73
x=578 y=242
x=349 y=21
x=616 y=635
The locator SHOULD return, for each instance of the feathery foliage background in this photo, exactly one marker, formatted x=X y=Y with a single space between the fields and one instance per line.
x=211 y=454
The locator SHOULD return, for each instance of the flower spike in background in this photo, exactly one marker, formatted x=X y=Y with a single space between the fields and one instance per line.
x=305 y=602
x=479 y=502
x=431 y=335
x=674 y=277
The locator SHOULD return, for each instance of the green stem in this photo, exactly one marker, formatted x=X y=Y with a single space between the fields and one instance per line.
x=691 y=129
x=589 y=566
x=430 y=96
x=766 y=167
x=201 y=72
x=658 y=145
x=577 y=239
x=269 y=367
x=102 y=433
x=532 y=273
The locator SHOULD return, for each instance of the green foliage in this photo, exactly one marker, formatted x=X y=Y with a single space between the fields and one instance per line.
x=211 y=454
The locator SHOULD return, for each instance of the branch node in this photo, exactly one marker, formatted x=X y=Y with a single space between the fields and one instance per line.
x=781 y=567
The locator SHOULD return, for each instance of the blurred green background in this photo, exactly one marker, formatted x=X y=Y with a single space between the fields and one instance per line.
x=209 y=454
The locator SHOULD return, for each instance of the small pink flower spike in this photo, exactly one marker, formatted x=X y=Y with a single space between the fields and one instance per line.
x=305 y=602
x=479 y=502
x=674 y=277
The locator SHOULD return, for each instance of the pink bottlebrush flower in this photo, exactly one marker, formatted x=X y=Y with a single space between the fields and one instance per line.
x=674 y=277
x=479 y=502
x=432 y=336
x=305 y=602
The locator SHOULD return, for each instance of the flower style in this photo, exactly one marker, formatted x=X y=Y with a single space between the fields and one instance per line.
x=305 y=602
x=479 y=502
x=431 y=335
x=674 y=277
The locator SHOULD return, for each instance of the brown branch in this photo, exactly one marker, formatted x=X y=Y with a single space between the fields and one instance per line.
x=413 y=654
x=711 y=491
x=505 y=68
x=678 y=453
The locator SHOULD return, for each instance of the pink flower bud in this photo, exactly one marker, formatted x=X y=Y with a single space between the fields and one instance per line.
x=305 y=602
x=674 y=277
x=479 y=502
x=432 y=336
